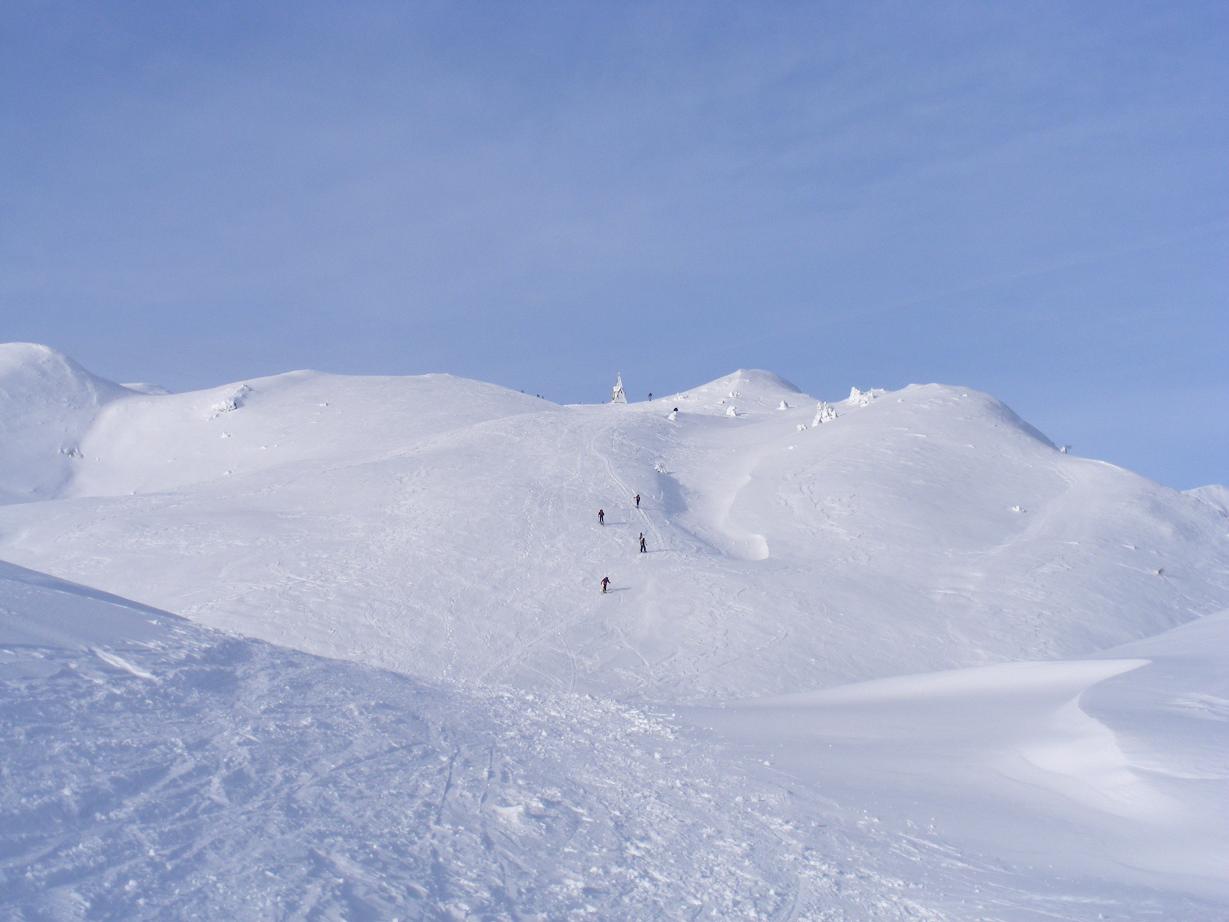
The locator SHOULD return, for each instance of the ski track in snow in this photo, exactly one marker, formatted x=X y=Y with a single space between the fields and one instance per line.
x=255 y=781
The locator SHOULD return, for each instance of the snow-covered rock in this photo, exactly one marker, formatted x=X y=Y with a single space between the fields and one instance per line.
x=231 y=402
x=860 y=398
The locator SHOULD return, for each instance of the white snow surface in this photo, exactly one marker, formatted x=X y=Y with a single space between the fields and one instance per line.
x=47 y=402
x=155 y=769
x=846 y=681
x=1214 y=494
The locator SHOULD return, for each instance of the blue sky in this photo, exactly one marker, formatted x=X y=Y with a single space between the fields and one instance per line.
x=1029 y=199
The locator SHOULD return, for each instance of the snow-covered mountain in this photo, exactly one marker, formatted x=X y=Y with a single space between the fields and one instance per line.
x=446 y=530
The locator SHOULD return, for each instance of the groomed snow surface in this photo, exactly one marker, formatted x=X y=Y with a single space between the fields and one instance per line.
x=317 y=647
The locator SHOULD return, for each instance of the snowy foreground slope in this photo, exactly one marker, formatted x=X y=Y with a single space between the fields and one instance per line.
x=155 y=769
x=911 y=662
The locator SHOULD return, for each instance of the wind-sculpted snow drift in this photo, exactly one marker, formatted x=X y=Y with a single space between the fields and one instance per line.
x=446 y=529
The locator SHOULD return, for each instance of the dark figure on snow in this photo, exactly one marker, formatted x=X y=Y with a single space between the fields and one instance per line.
x=605 y=583
x=601 y=517
x=637 y=500
x=643 y=549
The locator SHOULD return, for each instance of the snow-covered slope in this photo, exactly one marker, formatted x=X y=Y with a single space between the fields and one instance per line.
x=156 y=443
x=1105 y=777
x=153 y=769
x=447 y=529
x=47 y=402
x=925 y=657
x=746 y=390
x=1215 y=495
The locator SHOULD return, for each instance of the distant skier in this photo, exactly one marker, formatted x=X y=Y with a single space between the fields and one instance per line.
x=605 y=583
x=601 y=517
x=637 y=500
x=643 y=549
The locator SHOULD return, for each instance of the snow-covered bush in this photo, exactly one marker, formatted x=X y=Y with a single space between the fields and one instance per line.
x=824 y=413
x=861 y=398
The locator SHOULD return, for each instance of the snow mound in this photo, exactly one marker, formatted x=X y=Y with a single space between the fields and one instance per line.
x=156 y=443
x=751 y=389
x=47 y=403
